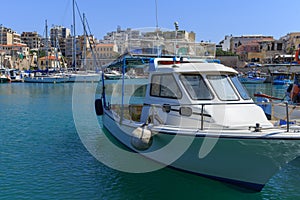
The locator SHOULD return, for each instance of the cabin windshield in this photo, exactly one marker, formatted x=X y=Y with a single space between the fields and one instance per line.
x=196 y=87
x=222 y=87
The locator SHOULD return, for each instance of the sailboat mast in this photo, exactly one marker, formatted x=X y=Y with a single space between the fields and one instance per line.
x=47 y=46
x=74 y=38
x=85 y=42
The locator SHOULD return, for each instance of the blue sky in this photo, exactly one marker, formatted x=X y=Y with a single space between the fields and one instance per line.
x=210 y=20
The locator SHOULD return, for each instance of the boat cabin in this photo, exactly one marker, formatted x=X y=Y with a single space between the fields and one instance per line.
x=193 y=93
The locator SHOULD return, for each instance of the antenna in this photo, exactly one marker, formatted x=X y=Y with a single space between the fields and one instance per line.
x=157 y=36
x=74 y=38
x=156 y=15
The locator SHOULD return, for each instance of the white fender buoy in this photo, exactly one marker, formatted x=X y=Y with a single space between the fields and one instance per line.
x=141 y=138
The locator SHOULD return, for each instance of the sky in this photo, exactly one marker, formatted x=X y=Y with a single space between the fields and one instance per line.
x=210 y=20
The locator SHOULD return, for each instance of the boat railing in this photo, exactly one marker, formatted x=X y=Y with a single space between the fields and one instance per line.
x=272 y=104
x=186 y=110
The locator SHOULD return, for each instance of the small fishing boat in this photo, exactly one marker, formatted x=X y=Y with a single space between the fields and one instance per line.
x=252 y=77
x=197 y=117
x=112 y=74
x=281 y=78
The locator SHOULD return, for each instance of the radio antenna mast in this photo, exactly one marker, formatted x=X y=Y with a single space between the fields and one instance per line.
x=156 y=15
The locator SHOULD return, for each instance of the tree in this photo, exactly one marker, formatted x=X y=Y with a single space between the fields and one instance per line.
x=220 y=52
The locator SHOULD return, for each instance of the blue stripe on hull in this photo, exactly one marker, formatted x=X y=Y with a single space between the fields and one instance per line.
x=241 y=184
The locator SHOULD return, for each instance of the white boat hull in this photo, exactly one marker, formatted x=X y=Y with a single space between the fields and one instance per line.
x=46 y=79
x=84 y=77
x=245 y=158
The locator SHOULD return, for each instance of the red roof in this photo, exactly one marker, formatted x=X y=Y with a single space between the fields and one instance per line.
x=49 y=58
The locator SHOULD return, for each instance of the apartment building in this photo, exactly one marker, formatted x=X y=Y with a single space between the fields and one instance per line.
x=58 y=37
x=291 y=41
x=84 y=47
x=32 y=39
x=106 y=53
x=8 y=36
x=265 y=49
x=236 y=42
x=14 y=55
x=119 y=37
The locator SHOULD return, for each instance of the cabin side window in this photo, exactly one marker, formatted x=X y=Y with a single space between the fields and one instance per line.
x=240 y=88
x=165 y=86
x=196 y=87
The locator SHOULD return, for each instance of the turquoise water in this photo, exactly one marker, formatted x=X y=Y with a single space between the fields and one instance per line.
x=42 y=156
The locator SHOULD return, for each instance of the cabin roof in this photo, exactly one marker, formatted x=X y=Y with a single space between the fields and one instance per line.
x=195 y=67
x=187 y=65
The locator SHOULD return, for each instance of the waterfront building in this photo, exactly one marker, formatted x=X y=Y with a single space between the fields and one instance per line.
x=9 y=36
x=32 y=39
x=15 y=56
x=84 y=46
x=106 y=52
x=235 y=42
x=130 y=38
x=49 y=62
x=269 y=50
x=58 y=38
x=258 y=48
x=291 y=42
x=119 y=37
x=225 y=44
x=180 y=35
x=58 y=32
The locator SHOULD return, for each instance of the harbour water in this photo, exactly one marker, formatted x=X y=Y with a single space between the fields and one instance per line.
x=42 y=156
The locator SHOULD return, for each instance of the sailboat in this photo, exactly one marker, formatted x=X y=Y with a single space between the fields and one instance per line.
x=76 y=75
x=46 y=76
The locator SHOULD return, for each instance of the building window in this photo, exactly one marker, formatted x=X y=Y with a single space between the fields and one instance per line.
x=279 y=46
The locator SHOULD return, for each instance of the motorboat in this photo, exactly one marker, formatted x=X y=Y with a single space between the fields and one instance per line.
x=4 y=75
x=112 y=74
x=252 y=77
x=197 y=117
x=281 y=78
x=16 y=75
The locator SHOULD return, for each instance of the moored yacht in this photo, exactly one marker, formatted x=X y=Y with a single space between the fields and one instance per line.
x=197 y=117
x=38 y=77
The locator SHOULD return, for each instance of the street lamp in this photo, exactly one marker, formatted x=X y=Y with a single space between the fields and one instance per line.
x=1 y=62
x=176 y=26
x=176 y=30
x=1 y=32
